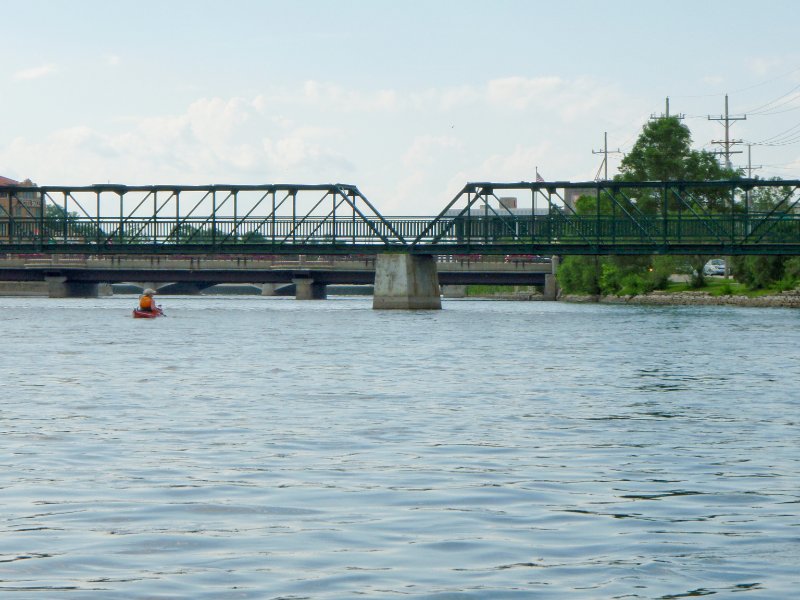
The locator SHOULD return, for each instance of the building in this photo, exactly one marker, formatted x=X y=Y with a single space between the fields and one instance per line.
x=18 y=204
x=19 y=210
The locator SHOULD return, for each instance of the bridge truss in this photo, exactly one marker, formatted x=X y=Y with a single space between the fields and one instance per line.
x=192 y=219
x=612 y=217
x=676 y=217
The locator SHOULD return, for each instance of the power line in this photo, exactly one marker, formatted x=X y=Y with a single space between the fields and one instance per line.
x=785 y=137
x=727 y=143
x=744 y=89
x=772 y=104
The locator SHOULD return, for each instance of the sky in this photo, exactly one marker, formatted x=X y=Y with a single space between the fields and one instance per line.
x=408 y=100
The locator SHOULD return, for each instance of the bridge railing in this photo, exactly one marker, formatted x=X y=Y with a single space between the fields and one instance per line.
x=566 y=231
x=199 y=231
x=557 y=230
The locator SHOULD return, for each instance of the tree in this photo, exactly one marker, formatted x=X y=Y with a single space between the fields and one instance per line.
x=60 y=223
x=759 y=272
x=662 y=152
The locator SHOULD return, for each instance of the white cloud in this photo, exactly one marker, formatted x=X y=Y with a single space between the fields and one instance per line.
x=763 y=65
x=518 y=165
x=425 y=150
x=409 y=152
x=332 y=96
x=305 y=149
x=214 y=120
x=520 y=92
x=112 y=60
x=568 y=99
x=35 y=72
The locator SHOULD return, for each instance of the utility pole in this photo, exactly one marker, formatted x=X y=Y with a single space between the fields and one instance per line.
x=750 y=167
x=605 y=152
x=727 y=142
x=666 y=115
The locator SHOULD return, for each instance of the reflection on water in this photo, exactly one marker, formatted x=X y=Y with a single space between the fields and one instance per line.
x=268 y=448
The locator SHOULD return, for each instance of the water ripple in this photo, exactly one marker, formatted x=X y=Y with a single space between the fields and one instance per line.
x=267 y=448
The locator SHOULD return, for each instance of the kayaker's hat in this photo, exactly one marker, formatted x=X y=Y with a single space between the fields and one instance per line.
x=149 y=292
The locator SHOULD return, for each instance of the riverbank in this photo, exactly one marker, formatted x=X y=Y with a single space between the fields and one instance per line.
x=788 y=299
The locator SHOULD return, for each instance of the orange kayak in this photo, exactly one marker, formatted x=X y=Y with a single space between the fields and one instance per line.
x=148 y=314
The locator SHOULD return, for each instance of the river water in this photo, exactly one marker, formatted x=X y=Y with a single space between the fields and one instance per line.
x=248 y=447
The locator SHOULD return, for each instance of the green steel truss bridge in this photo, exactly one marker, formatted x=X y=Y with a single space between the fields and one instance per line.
x=675 y=217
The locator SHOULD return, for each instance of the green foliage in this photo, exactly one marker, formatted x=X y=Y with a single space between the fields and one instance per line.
x=579 y=275
x=725 y=290
x=791 y=268
x=206 y=234
x=498 y=290
x=587 y=205
x=626 y=276
x=759 y=272
x=659 y=153
x=614 y=275
x=662 y=153
x=661 y=268
x=59 y=223
x=765 y=199
x=254 y=238
x=785 y=284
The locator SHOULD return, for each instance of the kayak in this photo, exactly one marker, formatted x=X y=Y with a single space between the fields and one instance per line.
x=148 y=314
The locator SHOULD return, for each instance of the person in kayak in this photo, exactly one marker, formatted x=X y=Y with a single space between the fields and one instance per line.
x=146 y=301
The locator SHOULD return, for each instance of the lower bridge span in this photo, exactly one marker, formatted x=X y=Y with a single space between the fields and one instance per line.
x=80 y=274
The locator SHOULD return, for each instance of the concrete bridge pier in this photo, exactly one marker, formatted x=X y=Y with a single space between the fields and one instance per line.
x=59 y=286
x=307 y=289
x=551 y=287
x=268 y=289
x=406 y=281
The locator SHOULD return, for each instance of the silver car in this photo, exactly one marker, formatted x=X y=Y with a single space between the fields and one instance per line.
x=715 y=266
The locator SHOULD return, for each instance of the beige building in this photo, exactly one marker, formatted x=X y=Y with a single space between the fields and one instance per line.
x=18 y=205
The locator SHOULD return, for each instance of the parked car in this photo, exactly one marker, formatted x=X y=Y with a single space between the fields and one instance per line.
x=715 y=266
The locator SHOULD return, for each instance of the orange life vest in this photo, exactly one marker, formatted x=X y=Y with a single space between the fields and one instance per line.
x=146 y=303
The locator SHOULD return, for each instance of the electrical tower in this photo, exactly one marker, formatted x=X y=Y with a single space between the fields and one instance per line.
x=727 y=142
x=605 y=152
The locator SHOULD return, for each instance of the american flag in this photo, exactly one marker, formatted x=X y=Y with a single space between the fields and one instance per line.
x=538 y=177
